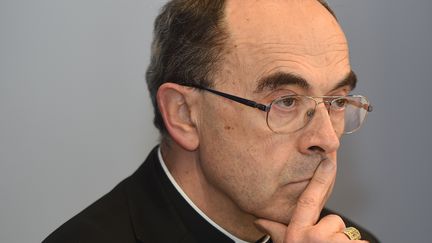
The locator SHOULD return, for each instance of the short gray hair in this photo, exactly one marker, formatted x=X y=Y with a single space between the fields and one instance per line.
x=187 y=46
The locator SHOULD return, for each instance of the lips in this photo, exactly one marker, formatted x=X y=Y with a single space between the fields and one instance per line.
x=301 y=181
x=309 y=177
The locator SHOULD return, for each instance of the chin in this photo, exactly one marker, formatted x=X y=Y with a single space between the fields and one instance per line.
x=280 y=217
x=278 y=212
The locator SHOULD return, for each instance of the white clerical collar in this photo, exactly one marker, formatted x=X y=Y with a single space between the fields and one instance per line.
x=189 y=201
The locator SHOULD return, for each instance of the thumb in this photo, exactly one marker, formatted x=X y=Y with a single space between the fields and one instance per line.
x=274 y=229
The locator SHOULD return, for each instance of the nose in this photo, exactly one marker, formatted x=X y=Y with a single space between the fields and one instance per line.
x=319 y=135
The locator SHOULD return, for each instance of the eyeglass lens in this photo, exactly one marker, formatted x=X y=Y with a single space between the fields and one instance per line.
x=291 y=113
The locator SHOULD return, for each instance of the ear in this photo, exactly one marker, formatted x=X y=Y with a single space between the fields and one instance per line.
x=175 y=104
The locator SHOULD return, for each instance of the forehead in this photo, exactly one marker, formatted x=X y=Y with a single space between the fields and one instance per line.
x=293 y=36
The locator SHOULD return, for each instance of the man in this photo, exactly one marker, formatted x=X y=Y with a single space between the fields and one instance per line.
x=251 y=99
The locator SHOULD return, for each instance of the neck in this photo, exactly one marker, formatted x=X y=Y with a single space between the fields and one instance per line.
x=185 y=167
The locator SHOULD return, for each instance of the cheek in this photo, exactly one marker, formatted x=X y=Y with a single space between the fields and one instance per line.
x=248 y=168
x=231 y=127
x=279 y=161
x=247 y=162
x=240 y=177
x=234 y=153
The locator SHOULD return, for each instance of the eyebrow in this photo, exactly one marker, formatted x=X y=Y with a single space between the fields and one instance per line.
x=279 y=79
x=350 y=80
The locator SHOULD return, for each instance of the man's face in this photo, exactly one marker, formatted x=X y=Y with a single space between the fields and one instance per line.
x=262 y=172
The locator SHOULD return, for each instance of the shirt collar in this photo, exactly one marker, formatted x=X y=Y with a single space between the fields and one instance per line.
x=189 y=201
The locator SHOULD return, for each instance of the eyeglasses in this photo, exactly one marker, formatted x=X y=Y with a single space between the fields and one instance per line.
x=291 y=113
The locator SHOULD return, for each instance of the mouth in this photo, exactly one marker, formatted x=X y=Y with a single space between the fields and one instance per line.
x=300 y=183
x=309 y=178
x=305 y=176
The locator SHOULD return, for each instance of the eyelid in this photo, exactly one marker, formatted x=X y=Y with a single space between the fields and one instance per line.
x=342 y=91
x=275 y=94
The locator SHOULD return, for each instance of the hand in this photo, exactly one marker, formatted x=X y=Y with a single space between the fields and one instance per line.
x=303 y=226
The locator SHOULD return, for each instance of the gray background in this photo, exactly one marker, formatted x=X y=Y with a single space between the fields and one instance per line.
x=75 y=117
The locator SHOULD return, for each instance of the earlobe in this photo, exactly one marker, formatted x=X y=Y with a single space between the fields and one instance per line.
x=175 y=107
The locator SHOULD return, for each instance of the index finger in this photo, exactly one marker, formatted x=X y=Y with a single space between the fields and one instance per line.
x=311 y=201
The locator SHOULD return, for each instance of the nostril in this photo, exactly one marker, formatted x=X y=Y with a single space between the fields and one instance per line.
x=316 y=149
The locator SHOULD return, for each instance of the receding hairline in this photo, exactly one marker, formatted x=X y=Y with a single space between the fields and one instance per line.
x=275 y=79
x=209 y=59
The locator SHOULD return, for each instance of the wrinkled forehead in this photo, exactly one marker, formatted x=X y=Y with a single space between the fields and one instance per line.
x=285 y=34
x=294 y=21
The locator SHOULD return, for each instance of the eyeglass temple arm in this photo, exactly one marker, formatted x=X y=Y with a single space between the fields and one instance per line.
x=234 y=98
x=367 y=107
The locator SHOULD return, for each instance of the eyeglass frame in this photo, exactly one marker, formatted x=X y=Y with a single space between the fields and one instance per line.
x=266 y=108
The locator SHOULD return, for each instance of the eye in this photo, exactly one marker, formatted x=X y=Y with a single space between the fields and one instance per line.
x=339 y=103
x=287 y=102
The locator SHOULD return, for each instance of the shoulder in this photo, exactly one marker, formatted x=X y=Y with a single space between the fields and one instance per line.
x=106 y=220
x=111 y=218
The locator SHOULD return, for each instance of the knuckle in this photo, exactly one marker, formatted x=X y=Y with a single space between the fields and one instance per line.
x=298 y=236
x=316 y=235
x=332 y=222
x=336 y=219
